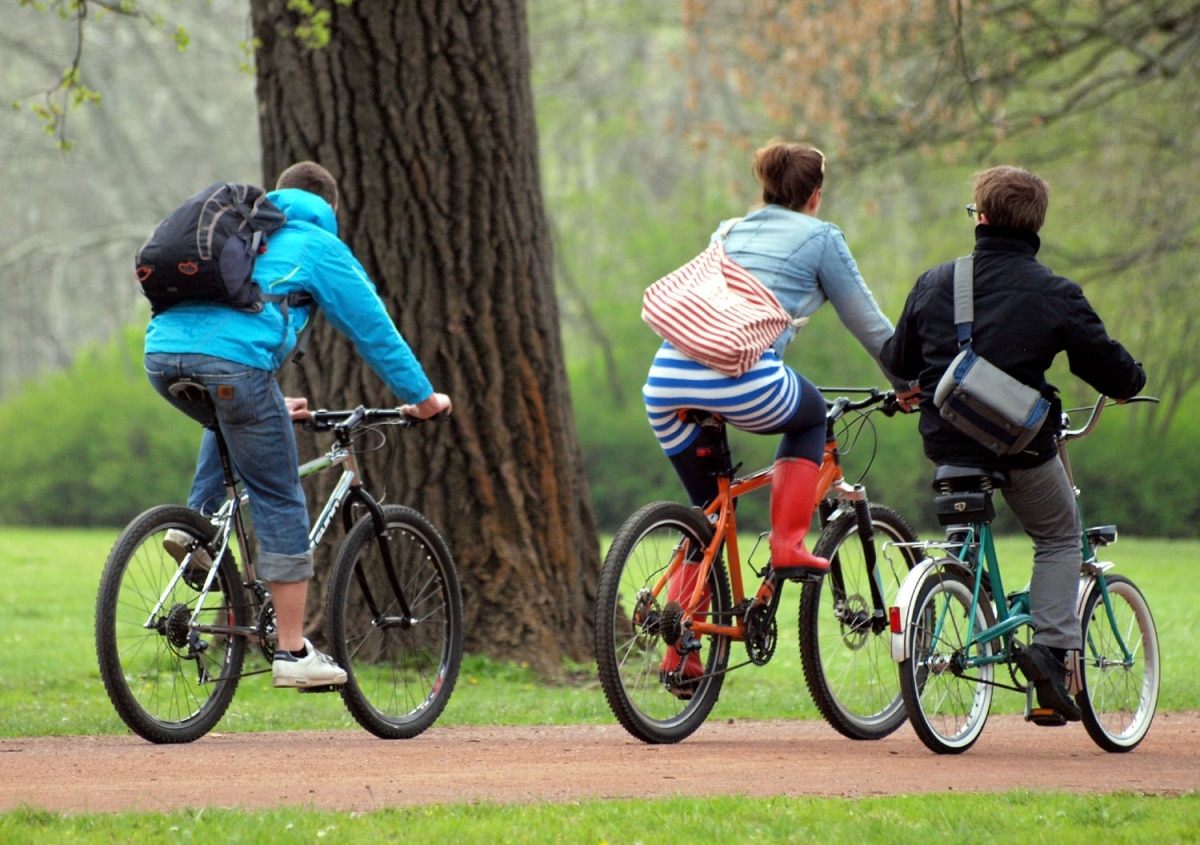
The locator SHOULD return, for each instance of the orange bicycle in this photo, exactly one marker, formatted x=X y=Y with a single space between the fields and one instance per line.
x=844 y=635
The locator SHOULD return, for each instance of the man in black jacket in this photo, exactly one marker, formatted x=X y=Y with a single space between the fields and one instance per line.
x=1024 y=316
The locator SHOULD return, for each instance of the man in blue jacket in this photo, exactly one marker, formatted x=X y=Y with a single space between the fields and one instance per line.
x=1025 y=315
x=236 y=353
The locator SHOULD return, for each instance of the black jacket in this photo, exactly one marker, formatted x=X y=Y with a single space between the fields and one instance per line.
x=1024 y=316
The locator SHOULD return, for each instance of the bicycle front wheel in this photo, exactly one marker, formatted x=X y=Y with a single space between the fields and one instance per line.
x=1119 y=666
x=947 y=700
x=169 y=679
x=845 y=641
x=631 y=630
x=402 y=667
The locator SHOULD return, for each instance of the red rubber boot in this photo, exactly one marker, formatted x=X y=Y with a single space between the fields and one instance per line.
x=793 y=498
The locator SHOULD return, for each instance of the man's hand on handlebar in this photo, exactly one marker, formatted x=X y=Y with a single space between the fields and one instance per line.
x=435 y=404
x=297 y=407
x=909 y=401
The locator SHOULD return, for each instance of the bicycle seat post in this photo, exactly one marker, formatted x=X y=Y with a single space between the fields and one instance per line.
x=196 y=392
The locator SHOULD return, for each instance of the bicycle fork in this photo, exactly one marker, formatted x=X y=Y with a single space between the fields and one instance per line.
x=405 y=619
x=856 y=496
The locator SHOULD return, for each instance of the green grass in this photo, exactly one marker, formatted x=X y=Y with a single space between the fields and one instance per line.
x=1062 y=819
x=49 y=685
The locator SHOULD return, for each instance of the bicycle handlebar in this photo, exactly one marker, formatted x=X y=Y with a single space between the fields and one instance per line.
x=1094 y=415
x=347 y=420
x=835 y=408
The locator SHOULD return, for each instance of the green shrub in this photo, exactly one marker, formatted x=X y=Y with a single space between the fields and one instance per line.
x=94 y=444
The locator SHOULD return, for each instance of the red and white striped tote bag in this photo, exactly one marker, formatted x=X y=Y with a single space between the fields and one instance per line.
x=715 y=312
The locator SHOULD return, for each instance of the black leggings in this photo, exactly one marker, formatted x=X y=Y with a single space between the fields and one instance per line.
x=804 y=432
x=803 y=437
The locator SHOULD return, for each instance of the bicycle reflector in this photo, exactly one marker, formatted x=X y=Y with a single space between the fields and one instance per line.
x=894 y=620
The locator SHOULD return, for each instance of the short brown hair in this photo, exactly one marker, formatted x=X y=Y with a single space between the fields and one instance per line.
x=1012 y=197
x=790 y=173
x=312 y=177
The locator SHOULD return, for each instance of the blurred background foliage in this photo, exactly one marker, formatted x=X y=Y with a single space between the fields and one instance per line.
x=649 y=112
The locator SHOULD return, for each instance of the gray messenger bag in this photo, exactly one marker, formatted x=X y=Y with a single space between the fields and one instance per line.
x=977 y=397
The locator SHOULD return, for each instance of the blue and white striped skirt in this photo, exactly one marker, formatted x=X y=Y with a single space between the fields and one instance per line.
x=761 y=400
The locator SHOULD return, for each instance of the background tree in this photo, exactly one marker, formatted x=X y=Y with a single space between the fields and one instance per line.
x=423 y=110
x=647 y=115
x=159 y=122
x=1097 y=95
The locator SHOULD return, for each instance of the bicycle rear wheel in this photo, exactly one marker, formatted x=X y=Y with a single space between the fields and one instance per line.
x=845 y=641
x=1119 y=687
x=630 y=645
x=947 y=706
x=401 y=669
x=168 y=681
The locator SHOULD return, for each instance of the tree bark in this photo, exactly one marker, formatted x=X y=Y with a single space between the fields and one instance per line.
x=423 y=111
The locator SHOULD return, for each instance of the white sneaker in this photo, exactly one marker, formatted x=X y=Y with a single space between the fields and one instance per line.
x=179 y=543
x=312 y=670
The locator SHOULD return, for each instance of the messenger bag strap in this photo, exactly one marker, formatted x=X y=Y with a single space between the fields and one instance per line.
x=964 y=298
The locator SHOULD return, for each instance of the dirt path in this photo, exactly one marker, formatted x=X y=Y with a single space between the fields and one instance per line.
x=350 y=770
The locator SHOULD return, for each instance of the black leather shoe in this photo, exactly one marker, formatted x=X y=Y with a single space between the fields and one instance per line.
x=1049 y=677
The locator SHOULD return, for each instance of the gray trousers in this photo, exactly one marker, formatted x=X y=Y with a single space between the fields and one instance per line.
x=1043 y=500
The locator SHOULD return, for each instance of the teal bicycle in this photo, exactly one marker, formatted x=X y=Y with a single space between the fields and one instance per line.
x=956 y=632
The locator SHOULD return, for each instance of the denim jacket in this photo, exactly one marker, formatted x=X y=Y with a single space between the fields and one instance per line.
x=805 y=261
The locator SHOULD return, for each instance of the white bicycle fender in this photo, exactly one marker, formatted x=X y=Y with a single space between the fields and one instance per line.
x=912 y=582
x=1085 y=583
x=908 y=591
x=1074 y=674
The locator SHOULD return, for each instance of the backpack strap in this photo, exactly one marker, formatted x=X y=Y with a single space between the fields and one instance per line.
x=283 y=300
x=964 y=298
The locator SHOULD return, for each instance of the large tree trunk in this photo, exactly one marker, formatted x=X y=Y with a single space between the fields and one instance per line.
x=424 y=112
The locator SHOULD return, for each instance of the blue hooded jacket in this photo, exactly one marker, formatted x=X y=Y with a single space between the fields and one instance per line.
x=306 y=255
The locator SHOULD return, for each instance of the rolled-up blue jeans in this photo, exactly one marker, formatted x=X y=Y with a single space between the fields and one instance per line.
x=255 y=423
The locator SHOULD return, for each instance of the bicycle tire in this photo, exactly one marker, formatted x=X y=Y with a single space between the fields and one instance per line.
x=400 y=675
x=168 y=683
x=1118 y=699
x=628 y=653
x=845 y=645
x=946 y=707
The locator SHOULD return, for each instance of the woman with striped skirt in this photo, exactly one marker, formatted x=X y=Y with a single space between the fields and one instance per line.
x=804 y=262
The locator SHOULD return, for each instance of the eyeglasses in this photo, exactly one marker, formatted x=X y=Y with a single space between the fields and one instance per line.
x=972 y=211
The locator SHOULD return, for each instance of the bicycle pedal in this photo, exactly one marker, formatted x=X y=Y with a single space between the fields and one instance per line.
x=1046 y=717
x=325 y=688
x=807 y=577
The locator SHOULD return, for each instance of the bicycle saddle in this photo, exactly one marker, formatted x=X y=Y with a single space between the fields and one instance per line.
x=956 y=479
x=965 y=494
x=185 y=388
x=705 y=419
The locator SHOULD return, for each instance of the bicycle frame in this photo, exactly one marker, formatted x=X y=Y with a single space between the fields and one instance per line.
x=721 y=512
x=347 y=491
x=1011 y=612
